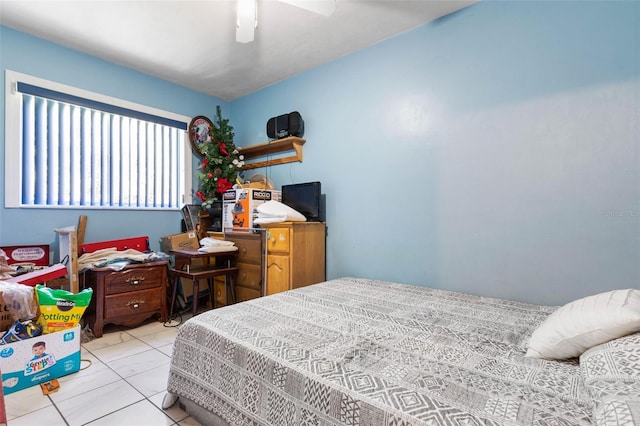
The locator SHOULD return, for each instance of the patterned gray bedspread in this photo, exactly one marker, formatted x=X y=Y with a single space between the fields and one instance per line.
x=361 y=352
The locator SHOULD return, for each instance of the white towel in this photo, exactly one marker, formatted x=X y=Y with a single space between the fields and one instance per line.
x=213 y=245
x=275 y=211
x=208 y=241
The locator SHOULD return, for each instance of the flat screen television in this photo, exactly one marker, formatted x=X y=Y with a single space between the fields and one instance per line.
x=304 y=198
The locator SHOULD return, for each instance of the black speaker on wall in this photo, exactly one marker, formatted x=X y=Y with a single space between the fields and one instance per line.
x=285 y=125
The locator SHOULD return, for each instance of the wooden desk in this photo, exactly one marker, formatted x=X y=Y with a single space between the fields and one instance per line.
x=221 y=266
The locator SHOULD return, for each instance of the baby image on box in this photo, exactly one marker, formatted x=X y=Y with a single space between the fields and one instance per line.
x=40 y=361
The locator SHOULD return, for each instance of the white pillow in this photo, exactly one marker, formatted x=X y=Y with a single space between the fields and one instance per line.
x=584 y=323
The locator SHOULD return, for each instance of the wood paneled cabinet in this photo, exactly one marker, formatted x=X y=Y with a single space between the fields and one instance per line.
x=295 y=255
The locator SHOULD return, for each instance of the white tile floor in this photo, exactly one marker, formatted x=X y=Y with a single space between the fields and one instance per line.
x=123 y=384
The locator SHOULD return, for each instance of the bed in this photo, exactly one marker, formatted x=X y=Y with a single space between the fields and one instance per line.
x=354 y=351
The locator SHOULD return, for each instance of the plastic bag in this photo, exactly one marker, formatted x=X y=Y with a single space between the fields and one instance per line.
x=21 y=330
x=19 y=300
x=61 y=309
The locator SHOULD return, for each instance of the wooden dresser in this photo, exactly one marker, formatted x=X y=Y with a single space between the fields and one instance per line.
x=126 y=297
x=250 y=262
x=295 y=255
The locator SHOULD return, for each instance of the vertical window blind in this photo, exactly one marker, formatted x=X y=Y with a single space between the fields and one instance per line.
x=79 y=152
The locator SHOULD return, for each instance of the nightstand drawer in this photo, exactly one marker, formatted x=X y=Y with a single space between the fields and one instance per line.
x=133 y=279
x=278 y=240
x=121 y=305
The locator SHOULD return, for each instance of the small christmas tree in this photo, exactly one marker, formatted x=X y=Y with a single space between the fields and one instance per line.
x=221 y=163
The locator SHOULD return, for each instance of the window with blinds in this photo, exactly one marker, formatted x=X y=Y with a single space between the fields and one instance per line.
x=80 y=152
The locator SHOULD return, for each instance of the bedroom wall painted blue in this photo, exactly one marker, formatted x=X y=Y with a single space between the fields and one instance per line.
x=495 y=151
x=30 y=55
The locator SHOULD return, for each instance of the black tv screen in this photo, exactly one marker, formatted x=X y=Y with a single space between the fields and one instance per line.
x=304 y=198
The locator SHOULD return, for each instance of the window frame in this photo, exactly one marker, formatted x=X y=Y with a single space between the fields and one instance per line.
x=13 y=140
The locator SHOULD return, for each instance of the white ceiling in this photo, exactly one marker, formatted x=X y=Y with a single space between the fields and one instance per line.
x=192 y=43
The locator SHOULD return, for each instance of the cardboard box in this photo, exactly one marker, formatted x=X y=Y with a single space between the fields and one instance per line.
x=37 y=254
x=179 y=241
x=182 y=241
x=21 y=369
x=239 y=206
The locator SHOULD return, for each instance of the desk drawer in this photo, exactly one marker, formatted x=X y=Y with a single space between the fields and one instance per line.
x=119 y=306
x=133 y=279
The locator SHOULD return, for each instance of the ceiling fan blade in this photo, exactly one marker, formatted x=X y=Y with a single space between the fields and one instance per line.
x=323 y=7
x=246 y=21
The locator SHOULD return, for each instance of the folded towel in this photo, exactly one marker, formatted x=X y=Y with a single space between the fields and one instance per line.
x=208 y=241
x=216 y=249
x=275 y=211
x=274 y=219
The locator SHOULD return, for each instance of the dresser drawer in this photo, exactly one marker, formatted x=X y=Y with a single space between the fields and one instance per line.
x=249 y=250
x=249 y=276
x=278 y=240
x=133 y=279
x=120 y=306
x=244 y=294
x=220 y=293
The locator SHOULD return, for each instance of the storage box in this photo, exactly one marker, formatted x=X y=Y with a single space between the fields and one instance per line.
x=183 y=241
x=239 y=206
x=21 y=369
x=179 y=241
x=37 y=254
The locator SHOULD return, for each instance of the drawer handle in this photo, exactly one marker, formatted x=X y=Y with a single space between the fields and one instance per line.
x=135 y=280
x=134 y=304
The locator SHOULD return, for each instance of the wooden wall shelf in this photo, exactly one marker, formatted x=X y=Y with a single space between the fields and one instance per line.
x=273 y=147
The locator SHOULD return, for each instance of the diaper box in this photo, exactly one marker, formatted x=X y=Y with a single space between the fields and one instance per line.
x=39 y=359
x=239 y=206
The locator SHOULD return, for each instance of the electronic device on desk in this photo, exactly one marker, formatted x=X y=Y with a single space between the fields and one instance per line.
x=306 y=198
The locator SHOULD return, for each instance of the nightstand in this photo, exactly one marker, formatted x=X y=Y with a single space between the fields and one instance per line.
x=126 y=297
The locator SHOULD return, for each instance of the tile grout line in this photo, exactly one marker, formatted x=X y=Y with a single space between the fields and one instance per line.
x=106 y=364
